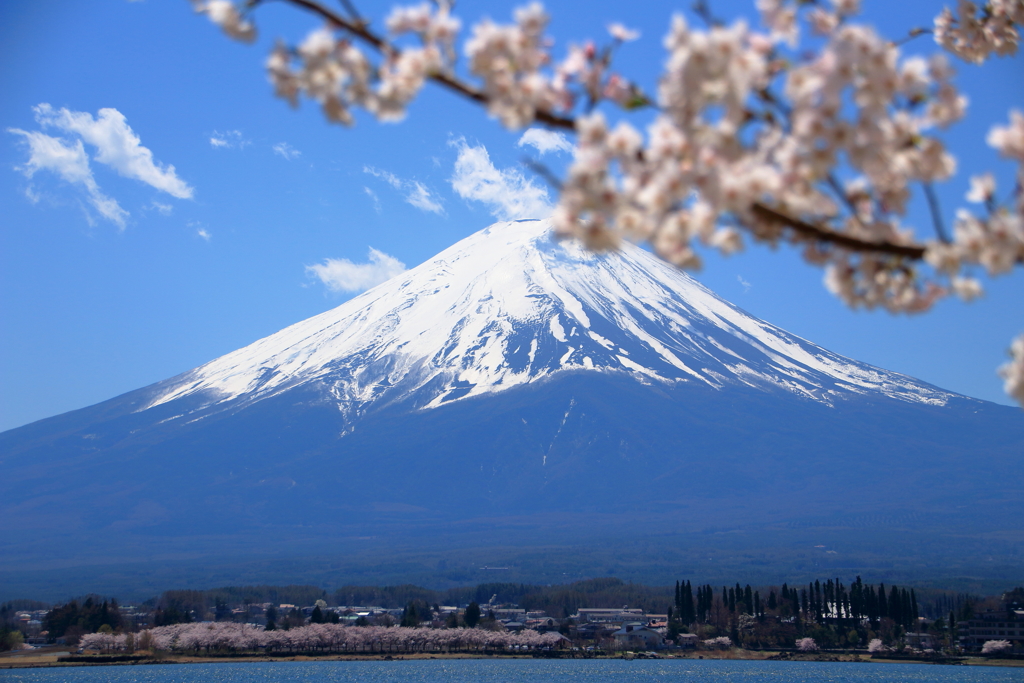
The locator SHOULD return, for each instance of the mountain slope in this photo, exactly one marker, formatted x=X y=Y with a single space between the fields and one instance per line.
x=509 y=305
x=510 y=398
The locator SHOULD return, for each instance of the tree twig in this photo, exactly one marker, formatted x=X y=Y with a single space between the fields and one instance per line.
x=544 y=172
x=822 y=234
x=933 y=206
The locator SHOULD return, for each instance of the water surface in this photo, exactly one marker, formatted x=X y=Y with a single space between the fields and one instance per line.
x=522 y=671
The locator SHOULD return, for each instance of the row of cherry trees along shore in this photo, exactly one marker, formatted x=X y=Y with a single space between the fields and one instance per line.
x=316 y=638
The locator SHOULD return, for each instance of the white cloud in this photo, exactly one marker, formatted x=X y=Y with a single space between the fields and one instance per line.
x=413 y=191
x=164 y=209
x=201 y=230
x=232 y=139
x=342 y=275
x=286 y=150
x=508 y=193
x=69 y=161
x=545 y=141
x=743 y=283
x=419 y=196
x=117 y=146
x=374 y=197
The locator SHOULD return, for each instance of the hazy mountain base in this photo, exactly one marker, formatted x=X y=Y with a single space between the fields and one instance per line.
x=582 y=475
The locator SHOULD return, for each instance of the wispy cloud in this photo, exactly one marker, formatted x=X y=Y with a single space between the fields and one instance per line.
x=413 y=191
x=164 y=209
x=545 y=141
x=746 y=285
x=342 y=275
x=200 y=229
x=374 y=197
x=287 y=151
x=507 y=192
x=68 y=161
x=231 y=139
x=117 y=146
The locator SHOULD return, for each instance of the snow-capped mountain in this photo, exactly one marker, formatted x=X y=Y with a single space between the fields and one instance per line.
x=515 y=402
x=511 y=305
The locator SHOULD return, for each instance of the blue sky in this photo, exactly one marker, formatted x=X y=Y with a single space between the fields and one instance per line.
x=122 y=272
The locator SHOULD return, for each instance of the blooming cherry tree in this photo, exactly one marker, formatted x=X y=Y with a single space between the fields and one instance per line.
x=760 y=135
x=807 y=645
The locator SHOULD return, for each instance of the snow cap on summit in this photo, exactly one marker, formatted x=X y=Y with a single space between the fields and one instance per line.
x=510 y=305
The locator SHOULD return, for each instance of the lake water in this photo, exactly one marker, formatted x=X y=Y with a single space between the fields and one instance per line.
x=522 y=671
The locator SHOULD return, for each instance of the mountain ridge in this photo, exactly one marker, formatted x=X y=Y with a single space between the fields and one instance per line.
x=505 y=292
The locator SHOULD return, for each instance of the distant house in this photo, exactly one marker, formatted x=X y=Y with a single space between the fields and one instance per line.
x=636 y=636
x=1005 y=624
x=688 y=640
x=921 y=641
x=603 y=614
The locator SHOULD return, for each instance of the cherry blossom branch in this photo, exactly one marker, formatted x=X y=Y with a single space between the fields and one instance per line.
x=824 y=235
x=360 y=29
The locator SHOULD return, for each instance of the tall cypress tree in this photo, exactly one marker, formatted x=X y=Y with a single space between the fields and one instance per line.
x=748 y=600
x=689 y=612
x=894 y=605
x=913 y=607
x=883 y=604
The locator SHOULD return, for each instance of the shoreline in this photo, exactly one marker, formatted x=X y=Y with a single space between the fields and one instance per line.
x=63 y=659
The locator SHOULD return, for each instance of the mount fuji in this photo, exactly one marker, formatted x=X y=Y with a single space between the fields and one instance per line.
x=517 y=408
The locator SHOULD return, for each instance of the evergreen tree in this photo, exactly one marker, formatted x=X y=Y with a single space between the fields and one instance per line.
x=689 y=611
x=732 y=600
x=748 y=600
x=317 y=617
x=883 y=604
x=772 y=603
x=271 y=618
x=895 y=605
x=757 y=605
x=472 y=616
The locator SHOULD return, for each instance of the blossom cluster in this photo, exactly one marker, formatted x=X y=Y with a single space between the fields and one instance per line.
x=995 y=646
x=719 y=643
x=806 y=645
x=229 y=636
x=877 y=647
x=975 y=33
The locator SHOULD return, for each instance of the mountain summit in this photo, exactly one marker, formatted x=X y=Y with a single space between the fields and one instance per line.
x=510 y=305
x=516 y=409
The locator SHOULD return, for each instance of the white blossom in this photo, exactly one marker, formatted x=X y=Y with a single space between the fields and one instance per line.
x=1013 y=371
x=226 y=15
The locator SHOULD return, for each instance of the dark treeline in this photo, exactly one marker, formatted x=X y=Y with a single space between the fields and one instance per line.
x=817 y=601
x=93 y=614
x=179 y=606
x=557 y=601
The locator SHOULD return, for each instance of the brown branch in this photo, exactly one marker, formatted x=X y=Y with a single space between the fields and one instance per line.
x=361 y=31
x=822 y=234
